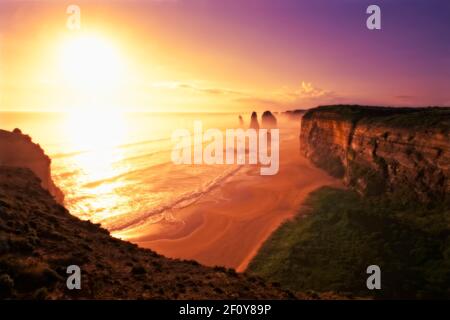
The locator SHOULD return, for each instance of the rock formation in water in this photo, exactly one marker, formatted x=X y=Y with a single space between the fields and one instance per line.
x=379 y=150
x=241 y=121
x=18 y=150
x=39 y=239
x=268 y=120
x=254 y=121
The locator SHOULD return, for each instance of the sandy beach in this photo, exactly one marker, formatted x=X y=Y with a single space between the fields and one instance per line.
x=229 y=224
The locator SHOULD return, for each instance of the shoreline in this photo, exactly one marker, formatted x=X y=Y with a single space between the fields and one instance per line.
x=227 y=226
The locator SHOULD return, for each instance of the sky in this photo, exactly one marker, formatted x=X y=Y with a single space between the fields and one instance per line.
x=222 y=55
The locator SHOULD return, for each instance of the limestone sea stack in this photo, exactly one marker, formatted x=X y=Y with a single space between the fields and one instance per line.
x=18 y=150
x=254 y=121
x=268 y=120
x=241 y=121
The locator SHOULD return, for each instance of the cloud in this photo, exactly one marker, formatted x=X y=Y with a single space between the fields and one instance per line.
x=212 y=90
x=308 y=91
x=404 y=97
x=305 y=95
x=197 y=88
x=256 y=102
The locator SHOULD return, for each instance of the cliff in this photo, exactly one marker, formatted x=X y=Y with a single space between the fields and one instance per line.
x=39 y=239
x=18 y=150
x=378 y=150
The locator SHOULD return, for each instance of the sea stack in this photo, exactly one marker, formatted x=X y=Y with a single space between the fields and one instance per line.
x=268 y=120
x=241 y=121
x=254 y=121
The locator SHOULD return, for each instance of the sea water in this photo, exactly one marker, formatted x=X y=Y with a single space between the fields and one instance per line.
x=116 y=169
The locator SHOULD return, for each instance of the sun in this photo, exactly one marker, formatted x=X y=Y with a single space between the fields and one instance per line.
x=90 y=62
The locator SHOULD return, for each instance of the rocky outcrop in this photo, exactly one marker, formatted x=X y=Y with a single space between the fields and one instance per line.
x=18 y=150
x=254 y=121
x=39 y=239
x=268 y=120
x=377 y=150
x=241 y=121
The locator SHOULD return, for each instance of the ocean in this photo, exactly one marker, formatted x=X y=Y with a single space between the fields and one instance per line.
x=116 y=169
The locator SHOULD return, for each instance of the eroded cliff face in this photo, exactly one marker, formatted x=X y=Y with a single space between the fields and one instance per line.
x=379 y=150
x=18 y=150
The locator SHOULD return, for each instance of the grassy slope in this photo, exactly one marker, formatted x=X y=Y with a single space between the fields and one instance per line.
x=330 y=248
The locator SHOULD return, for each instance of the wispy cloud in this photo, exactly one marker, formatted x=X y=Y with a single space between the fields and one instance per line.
x=305 y=95
x=197 y=88
x=259 y=103
x=404 y=97
x=307 y=90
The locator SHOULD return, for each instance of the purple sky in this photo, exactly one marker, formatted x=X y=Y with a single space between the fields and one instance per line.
x=290 y=52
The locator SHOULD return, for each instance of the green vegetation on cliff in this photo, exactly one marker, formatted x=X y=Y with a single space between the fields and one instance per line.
x=424 y=117
x=338 y=234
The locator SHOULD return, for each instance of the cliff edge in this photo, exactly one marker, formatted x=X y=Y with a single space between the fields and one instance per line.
x=18 y=150
x=379 y=149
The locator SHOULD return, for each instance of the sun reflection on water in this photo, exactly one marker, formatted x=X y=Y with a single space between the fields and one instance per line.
x=98 y=134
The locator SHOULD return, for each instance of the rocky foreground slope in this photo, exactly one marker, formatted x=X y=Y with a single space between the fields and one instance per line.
x=39 y=239
x=378 y=150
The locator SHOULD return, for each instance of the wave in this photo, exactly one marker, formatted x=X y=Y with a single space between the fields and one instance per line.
x=121 y=146
x=143 y=142
x=144 y=155
x=183 y=201
x=96 y=183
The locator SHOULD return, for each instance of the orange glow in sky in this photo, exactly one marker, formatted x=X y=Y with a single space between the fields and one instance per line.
x=212 y=56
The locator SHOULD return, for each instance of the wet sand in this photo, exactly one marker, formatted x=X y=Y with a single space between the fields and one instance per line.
x=228 y=225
